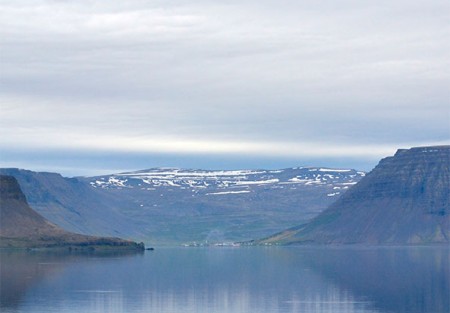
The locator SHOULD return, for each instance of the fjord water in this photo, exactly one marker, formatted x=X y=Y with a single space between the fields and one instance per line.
x=244 y=279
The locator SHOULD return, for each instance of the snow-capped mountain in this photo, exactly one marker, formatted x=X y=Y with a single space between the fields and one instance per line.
x=184 y=205
x=173 y=206
x=230 y=182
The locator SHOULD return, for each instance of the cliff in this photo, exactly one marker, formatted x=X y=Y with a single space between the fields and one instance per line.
x=404 y=200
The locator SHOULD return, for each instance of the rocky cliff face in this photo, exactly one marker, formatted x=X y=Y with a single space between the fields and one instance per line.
x=404 y=200
x=22 y=227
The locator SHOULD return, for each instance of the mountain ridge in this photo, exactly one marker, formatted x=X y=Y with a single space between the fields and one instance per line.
x=22 y=227
x=213 y=206
x=71 y=204
x=177 y=206
x=404 y=200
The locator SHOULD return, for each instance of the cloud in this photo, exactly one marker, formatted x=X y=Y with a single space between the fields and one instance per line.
x=260 y=77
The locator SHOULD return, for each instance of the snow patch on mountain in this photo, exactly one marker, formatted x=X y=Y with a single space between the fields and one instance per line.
x=217 y=181
x=228 y=192
x=333 y=170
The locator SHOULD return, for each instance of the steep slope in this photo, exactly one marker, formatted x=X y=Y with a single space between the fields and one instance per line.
x=73 y=205
x=17 y=219
x=404 y=200
x=20 y=226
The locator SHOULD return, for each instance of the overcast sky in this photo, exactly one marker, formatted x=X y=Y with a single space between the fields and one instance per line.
x=98 y=86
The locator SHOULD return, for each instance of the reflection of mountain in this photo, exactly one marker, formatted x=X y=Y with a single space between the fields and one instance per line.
x=256 y=279
x=402 y=280
x=404 y=200
x=20 y=271
x=22 y=227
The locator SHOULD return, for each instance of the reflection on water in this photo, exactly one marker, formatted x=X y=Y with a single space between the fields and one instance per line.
x=252 y=279
x=395 y=279
x=20 y=271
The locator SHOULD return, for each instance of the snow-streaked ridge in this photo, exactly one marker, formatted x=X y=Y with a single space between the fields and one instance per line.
x=224 y=181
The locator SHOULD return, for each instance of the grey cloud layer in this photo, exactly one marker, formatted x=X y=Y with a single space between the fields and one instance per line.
x=344 y=73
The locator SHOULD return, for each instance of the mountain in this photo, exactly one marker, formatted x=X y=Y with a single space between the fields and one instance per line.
x=73 y=204
x=404 y=200
x=21 y=227
x=178 y=206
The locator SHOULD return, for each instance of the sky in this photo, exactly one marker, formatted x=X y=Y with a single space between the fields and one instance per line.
x=92 y=87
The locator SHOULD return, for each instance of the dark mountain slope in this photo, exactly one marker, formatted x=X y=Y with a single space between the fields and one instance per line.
x=20 y=226
x=17 y=219
x=404 y=200
x=72 y=204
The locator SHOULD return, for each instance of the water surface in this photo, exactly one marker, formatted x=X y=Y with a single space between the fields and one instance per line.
x=248 y=279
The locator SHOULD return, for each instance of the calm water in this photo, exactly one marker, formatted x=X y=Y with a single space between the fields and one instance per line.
x=253 y=279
